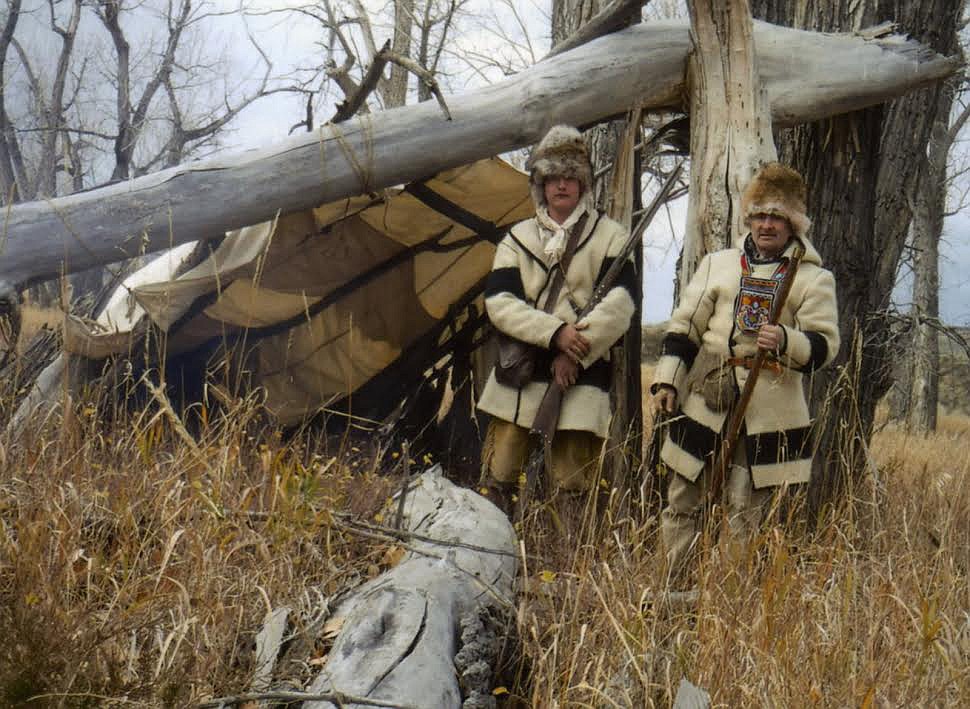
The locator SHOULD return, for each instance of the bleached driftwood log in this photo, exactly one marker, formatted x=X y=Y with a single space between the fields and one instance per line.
x=808 y=76
x=399 y=632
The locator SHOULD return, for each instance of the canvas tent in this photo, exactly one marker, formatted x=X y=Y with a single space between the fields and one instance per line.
x=323 y=300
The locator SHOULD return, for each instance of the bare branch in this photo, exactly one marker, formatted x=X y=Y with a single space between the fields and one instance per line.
x=424 y=75
x=615 y=16
x=10 y=155
x=338 y=697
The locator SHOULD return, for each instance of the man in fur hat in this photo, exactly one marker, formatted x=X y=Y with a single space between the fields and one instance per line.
x=710 y=344
x=572 y=354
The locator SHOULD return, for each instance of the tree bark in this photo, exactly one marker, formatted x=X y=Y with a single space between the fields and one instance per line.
x=923 y=356
x=615 y=16
x=397 y=88
x=399 y=632
x=861 y=171
x=9 y=189
x=595 y=81
x=730 y=131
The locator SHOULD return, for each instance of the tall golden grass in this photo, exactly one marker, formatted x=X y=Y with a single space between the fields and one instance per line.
x=138 y=559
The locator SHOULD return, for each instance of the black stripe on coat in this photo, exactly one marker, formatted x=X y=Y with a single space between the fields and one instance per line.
x=819 y=351
x=627 y=278
x=694 y=437
x=505 y=280
x=679 y=346
x=599 y=374
x=778 y=446
x=528 y=252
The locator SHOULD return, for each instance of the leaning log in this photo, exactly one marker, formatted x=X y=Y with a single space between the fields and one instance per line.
x=808 y=76
x=400 y=631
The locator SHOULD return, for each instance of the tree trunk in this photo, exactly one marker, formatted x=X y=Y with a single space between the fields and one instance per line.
x=861 y=171
x=400 y=631
x=730 y=127
x=10 y=191
x=595 y=81
x=923 y=374
x=397 y=88
x=569 y=15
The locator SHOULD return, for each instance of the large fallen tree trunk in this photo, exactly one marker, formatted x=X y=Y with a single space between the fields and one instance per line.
x=400 y=631
x=644 y=64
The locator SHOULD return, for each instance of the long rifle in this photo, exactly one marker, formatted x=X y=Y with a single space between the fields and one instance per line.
x=729 y=440
x=547 y=417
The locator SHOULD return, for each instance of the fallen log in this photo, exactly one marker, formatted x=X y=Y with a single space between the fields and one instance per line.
x=808 y=76
x=399 y=638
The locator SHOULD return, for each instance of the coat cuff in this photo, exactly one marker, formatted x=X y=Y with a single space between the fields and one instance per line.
x=671 y=371
x=804 y=351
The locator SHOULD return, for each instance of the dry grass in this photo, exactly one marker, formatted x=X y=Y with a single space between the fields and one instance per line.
x=138 y=560
x=34 y=318
x=871 y=610
x=136 y=564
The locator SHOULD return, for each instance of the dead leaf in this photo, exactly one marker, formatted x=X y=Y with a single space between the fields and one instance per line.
x=392 y=557
x=332 y=628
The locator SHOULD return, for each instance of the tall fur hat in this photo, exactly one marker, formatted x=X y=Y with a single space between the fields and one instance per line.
x=779 y=190
x=561 y=153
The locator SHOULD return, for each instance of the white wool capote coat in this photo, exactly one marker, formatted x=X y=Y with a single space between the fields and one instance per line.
x=520 y=276
x=776 y=431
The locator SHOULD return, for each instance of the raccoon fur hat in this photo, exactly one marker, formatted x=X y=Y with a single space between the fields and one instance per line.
x=779 y=190
x=560 y=153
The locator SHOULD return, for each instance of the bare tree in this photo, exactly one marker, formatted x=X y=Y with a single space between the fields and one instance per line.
x=418 y=34
x=60 y=131
x=156 y=117
x=918 y=368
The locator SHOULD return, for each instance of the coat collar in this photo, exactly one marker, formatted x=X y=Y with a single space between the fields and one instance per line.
x=526 y=233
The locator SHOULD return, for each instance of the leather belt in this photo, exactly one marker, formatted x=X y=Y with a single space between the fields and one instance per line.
x=748 y=362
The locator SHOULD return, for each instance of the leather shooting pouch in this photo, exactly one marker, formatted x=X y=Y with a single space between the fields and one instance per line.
x=516 y=361
x=713 y=378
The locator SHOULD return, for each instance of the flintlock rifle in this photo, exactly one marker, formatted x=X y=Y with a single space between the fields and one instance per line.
x=735 y=419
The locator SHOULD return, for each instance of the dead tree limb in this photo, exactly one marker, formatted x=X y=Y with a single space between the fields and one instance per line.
x=643 y=64
x=615 y=16
x=368 y=84
x=399 y=631
x=353 y=103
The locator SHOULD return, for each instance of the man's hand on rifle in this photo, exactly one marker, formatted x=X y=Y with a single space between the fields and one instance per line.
x=564 y=370
x=665 y=400
x=771 y=338
x=571 y=342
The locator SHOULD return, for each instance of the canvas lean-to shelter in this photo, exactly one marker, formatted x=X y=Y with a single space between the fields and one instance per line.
x=320 y=301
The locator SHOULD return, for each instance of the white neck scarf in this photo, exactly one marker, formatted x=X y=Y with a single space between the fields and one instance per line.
x=552 y=234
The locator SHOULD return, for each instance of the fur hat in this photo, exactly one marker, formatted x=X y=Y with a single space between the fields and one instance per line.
x=561 y=153
x=779 y=190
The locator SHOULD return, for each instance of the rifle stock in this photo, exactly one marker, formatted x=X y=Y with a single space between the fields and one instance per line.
x=543 y=431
